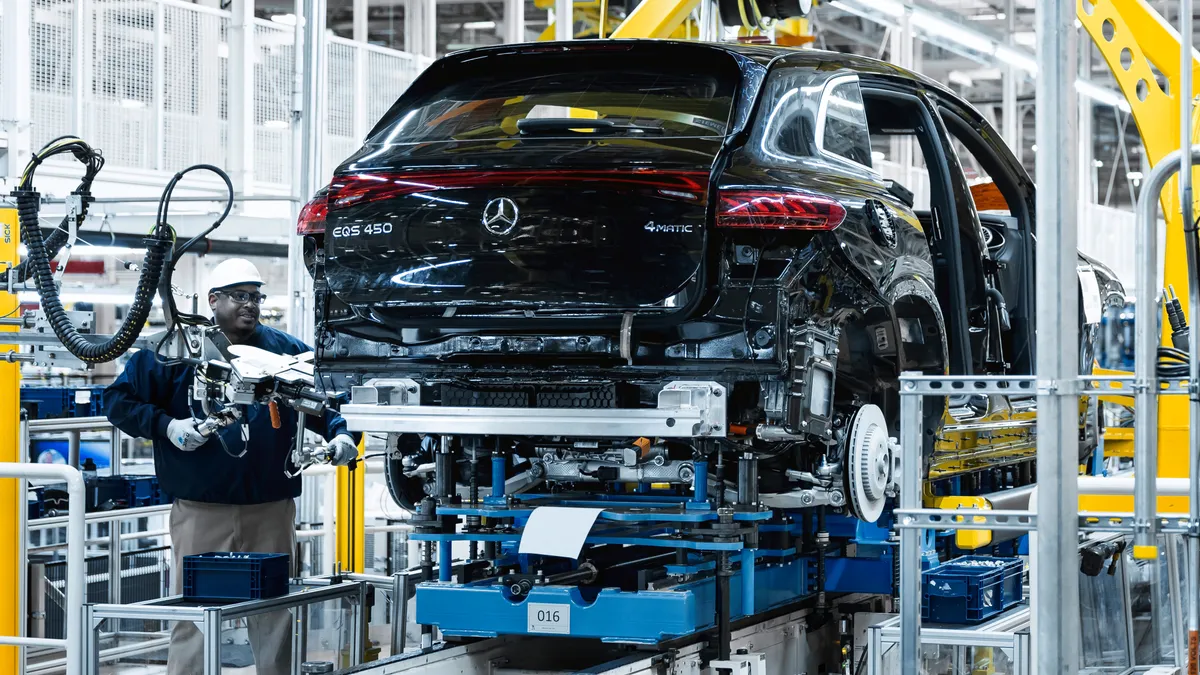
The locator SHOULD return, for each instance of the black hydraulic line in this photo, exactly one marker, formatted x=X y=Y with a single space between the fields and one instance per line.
x=81 y=347
x=157 y=265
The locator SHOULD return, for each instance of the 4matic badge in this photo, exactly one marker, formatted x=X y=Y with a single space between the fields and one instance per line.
x=658 y=228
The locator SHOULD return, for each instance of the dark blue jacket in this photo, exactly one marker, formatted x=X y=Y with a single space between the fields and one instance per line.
x=148 y=395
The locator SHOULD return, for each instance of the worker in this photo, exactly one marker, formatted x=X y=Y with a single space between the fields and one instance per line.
x=230 y=490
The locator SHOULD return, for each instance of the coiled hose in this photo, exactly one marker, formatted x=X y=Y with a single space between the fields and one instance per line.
x=38 y=264
x=85 y=350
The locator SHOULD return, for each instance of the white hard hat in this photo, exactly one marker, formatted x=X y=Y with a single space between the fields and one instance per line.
x=233 y=272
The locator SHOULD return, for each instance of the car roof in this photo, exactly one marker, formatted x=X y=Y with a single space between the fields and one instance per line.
x=763 y=54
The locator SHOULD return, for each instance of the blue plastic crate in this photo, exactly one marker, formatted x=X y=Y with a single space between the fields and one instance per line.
x=44 y=402
x=971 y=589
x=122 y=492
x=58 y=402
x=235 y=576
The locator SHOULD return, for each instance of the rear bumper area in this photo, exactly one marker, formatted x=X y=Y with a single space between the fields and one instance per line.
x=685 y=409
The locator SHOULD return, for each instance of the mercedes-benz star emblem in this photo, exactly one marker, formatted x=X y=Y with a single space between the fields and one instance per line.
x=500 y=216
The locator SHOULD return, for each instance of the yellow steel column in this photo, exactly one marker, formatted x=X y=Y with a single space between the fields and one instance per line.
x=10 y=451
x=351 y=537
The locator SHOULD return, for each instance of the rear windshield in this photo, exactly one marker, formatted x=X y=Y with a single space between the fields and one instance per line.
x=567 y=95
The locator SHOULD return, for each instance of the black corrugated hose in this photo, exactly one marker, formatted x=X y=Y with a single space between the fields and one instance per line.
x=157 y=245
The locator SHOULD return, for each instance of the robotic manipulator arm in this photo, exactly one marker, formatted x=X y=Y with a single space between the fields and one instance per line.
x=230 y=377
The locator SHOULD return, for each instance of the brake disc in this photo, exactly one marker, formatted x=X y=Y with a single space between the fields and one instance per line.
x=868 y=463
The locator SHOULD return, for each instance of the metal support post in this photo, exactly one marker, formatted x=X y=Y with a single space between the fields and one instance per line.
x=1193 y=255
x=911 y=444
x=210 y=627
x=308 y=144
x=72 y=447
x=114 y=562
x=358 y=626
x=514 y=21
x=241 y=98
x=399 y=611
x=429 y=26
x=710 y=26
x=15 y=105
x=901 y=50
x=115 y=458
x=114 y=526
x=299 y=638
x=89 y=651
x=1013 y=76
x=564 y=19
x=1057 y=585
x=359 y=17
x=84 y=56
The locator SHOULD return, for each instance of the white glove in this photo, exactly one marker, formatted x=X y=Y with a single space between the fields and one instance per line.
x=183 y=434
x=342 y=450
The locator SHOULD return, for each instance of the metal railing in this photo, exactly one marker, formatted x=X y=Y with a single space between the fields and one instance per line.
x=73 y=640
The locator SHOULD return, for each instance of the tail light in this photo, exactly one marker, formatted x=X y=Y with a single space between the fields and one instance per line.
x=312 y=216
x=347 y=191
x=778 y=210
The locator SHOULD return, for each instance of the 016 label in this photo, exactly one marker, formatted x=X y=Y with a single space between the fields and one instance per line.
x=548 y=618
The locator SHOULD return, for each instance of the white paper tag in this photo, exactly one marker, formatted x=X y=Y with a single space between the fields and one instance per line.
x=83 y=396
x=557 y=531
x=549 y=618
x=1093 y=309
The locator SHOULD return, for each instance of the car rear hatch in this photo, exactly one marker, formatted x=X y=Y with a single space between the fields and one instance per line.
x=534 y=184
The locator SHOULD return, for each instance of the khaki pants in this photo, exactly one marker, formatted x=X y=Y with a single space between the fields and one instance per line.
x=197 y=527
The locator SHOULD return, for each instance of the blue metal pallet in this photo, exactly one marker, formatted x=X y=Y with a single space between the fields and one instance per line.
x=641 y=617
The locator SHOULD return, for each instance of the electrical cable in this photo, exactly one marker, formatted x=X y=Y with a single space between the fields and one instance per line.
x=749 y=297
x=165 y=288
x=1173 y=361
x=28 y=206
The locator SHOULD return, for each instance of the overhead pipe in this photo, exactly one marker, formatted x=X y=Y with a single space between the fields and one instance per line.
x=202 y=247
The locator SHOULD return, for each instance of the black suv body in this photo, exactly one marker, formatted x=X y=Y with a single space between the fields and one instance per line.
x=581 y=224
